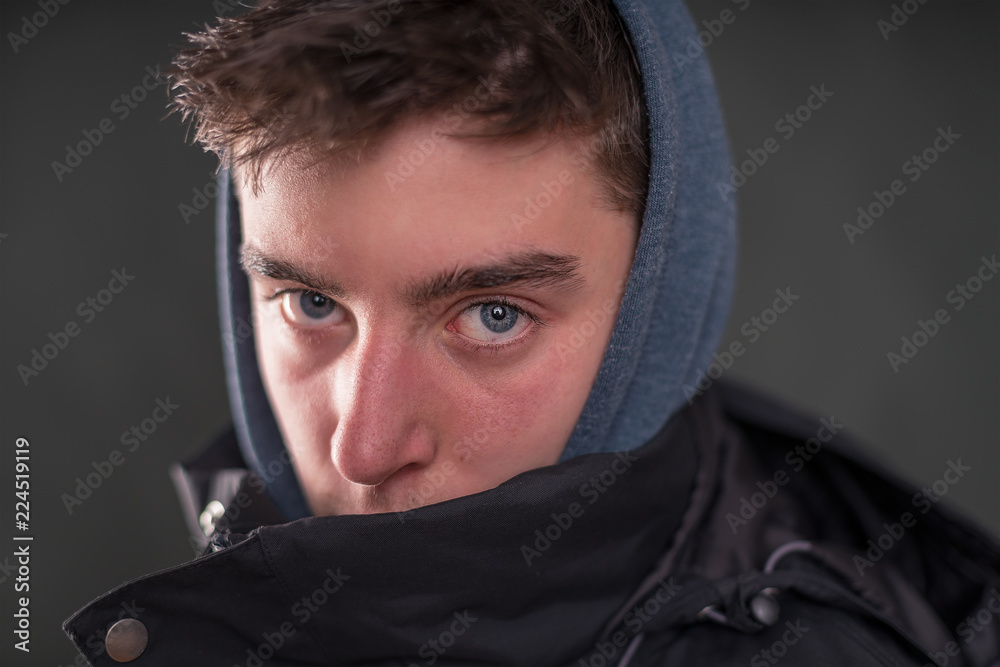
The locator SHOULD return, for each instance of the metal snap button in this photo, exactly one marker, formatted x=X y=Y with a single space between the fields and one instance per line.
x=765 y=609
x=213 y=512
x=126 y=640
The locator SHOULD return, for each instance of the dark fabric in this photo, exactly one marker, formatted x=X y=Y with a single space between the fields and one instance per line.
x=650 y=573
x=406 y=575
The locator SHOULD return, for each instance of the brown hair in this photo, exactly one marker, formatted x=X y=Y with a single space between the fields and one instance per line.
x=331 y=75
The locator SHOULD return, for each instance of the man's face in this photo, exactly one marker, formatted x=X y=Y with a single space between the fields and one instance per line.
x=429 y=322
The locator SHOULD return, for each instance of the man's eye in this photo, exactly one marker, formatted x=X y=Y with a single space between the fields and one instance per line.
x=492 y=322
x=310 y=309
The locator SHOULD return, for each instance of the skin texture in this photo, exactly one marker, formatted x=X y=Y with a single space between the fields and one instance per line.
x=385 y=402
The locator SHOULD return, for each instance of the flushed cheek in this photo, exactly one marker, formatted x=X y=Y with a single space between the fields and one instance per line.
x=565 y=375
x=521 y=427
x=522 y=419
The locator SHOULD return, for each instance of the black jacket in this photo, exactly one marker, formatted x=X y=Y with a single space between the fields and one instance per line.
x=742 y=534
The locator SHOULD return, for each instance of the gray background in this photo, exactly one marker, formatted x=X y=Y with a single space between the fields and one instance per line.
x=159 y=338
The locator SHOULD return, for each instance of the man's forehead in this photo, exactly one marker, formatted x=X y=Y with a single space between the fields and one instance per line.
x=406 y=149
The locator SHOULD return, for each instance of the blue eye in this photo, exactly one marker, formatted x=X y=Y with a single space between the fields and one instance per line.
x=315 y=306
x=494 y=323
x=310 y=309
x=498 y=318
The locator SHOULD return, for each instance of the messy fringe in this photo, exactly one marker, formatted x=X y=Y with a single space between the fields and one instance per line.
x=304 y=76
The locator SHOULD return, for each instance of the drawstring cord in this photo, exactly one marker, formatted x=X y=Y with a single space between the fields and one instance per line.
x=763 y=607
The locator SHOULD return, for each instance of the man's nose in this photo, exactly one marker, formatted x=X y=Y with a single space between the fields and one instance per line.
x=381 y=426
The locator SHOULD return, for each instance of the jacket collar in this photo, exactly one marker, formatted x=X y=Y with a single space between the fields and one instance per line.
x=547 y=557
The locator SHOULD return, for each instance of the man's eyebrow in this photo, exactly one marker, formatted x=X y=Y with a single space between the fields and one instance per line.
x=530 y=269
x=255 y=260
x=524 y=269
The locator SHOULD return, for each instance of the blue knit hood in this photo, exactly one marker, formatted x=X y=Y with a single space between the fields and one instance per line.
x=676 y=300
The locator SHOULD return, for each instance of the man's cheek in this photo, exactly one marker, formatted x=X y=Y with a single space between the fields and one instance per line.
x=538 y=412
x=274 y=353
x=300 y=398
x=284 y=357
x=577 y=342
x=489 y=432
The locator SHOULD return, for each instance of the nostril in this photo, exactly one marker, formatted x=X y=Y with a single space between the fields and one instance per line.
x=368 y=460
x=362 y=468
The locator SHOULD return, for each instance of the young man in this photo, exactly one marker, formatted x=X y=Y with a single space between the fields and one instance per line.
x=472 y=259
